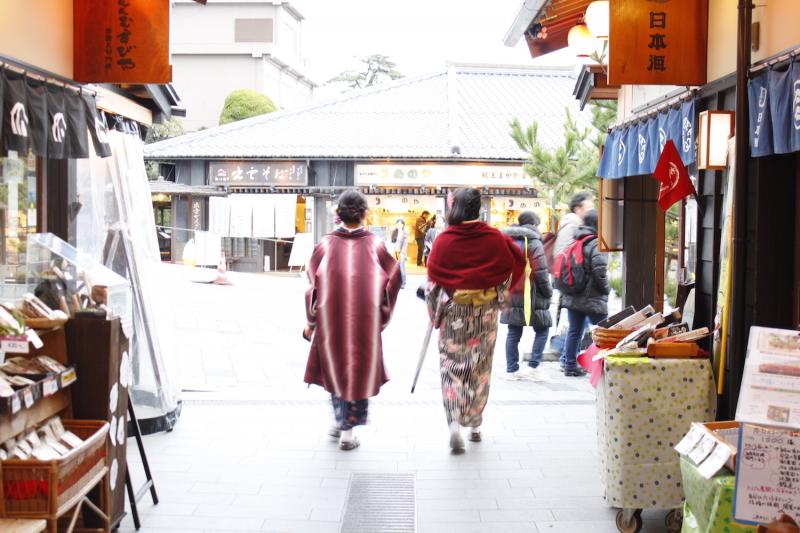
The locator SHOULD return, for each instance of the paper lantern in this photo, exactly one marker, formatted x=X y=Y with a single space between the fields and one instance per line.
x=581 y=41
x=597 y=18
x=716 y=127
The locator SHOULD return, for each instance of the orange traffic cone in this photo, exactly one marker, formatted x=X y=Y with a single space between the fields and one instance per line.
x=222 y=271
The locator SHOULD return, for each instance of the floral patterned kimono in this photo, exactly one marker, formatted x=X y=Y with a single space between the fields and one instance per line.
x=467 y=324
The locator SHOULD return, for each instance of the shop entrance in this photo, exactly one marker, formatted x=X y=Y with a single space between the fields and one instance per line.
x=386 y=210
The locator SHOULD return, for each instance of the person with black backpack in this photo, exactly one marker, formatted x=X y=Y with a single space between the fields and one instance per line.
x=582 y=278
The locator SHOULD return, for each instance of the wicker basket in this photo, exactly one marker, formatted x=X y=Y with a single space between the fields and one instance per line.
x=608 y=338
x=45 y=489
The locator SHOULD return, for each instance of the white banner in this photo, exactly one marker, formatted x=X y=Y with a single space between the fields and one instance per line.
x=418 y=175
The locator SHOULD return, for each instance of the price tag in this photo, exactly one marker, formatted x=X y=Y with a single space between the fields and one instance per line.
x=68 y=377
x=14 y=345
x=702 y=450
x=715 y=461
x=16 y=405
x=28 y=396
x=691 y=439
x=49 y=387
x=34 y=338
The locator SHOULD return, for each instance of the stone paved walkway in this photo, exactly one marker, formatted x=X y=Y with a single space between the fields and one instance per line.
x=250 y=452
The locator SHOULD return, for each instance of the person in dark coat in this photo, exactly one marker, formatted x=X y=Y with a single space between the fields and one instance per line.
x=592 y=303
x=541 y=292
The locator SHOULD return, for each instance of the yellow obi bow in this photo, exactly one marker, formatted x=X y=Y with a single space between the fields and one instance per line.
x=474 y=297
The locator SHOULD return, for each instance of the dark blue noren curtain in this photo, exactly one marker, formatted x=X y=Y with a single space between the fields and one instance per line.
x=655 y=148
x=16 y=121
x=57 y=114
x=97 y=127
x=604 y=169
x=760 y=122
x=780 y=103
x=78 y=146
x=631 y=164
x=39 y=121
x=795 y=106
x=686 y=145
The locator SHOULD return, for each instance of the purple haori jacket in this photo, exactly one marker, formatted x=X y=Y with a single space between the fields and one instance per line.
x=354 y=286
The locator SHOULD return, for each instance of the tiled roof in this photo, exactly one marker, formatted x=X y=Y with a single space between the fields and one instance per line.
x=414 y=118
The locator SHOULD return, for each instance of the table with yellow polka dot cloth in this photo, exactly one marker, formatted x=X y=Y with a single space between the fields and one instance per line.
x=644 y=407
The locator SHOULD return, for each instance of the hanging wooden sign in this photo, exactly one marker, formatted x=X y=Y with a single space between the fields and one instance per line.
x=658 y=42
x=121 y=41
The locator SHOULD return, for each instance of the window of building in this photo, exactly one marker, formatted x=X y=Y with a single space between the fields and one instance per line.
x=253 y=30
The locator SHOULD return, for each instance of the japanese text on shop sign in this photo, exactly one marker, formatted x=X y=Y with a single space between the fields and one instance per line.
x=124 y=44
x=245 y=174
x=646 y=48
x=658 y=21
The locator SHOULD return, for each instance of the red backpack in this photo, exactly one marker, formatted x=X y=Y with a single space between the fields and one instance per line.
x=549 y=242
x=570 y=274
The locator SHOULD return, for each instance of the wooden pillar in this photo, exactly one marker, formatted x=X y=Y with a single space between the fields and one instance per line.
x=640 y=256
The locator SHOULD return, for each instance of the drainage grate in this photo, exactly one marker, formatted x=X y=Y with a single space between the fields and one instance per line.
x=378 y=503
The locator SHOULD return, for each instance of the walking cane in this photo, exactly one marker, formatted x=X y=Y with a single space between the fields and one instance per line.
x=425 y=344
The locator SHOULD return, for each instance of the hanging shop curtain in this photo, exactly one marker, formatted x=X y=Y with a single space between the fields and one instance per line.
x=49 y=120
x=634 y=150
x=775 y=111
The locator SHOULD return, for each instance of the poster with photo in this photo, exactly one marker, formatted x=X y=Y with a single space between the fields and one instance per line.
x=770 y=392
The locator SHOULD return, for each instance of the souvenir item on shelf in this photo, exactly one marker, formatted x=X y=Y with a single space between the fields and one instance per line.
x=637 y=339
x=5 y=387
x=50 y=364
x=632 y=321
x=673 y=317
x=669 y=331
x=11 y=323
x=673 y=349
x=616 y=318
x=691 y=336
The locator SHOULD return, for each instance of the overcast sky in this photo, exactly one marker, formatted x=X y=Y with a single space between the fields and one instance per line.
x=419 y=35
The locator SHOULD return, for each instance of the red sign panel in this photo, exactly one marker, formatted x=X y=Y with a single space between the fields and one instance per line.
x=658 y=42
x=121 y=41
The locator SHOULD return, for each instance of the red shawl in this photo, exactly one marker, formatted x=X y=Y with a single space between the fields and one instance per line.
x=474 y=256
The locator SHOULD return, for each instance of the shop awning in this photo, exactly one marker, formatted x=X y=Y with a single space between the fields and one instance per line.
x=634 y=149
x=548 y=23
x=774 y=96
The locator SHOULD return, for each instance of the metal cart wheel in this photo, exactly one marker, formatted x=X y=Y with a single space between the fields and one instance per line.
x=674 y=520
x=629 y=520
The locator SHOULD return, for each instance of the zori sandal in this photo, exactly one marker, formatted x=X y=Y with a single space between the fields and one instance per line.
x=347 y=445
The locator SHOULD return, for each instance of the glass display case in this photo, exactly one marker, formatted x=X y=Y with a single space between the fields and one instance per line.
x=70 y=280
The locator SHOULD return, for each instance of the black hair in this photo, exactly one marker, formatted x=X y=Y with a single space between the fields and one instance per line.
x=578 y=199
x=426 y=213
x=590 y=219
x=401 y=221
x=466 y=206
x=352 y=207
x=528 y=218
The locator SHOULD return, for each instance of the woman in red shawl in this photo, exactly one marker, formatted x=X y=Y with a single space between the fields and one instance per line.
x=354 y=286
x=469 y=269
